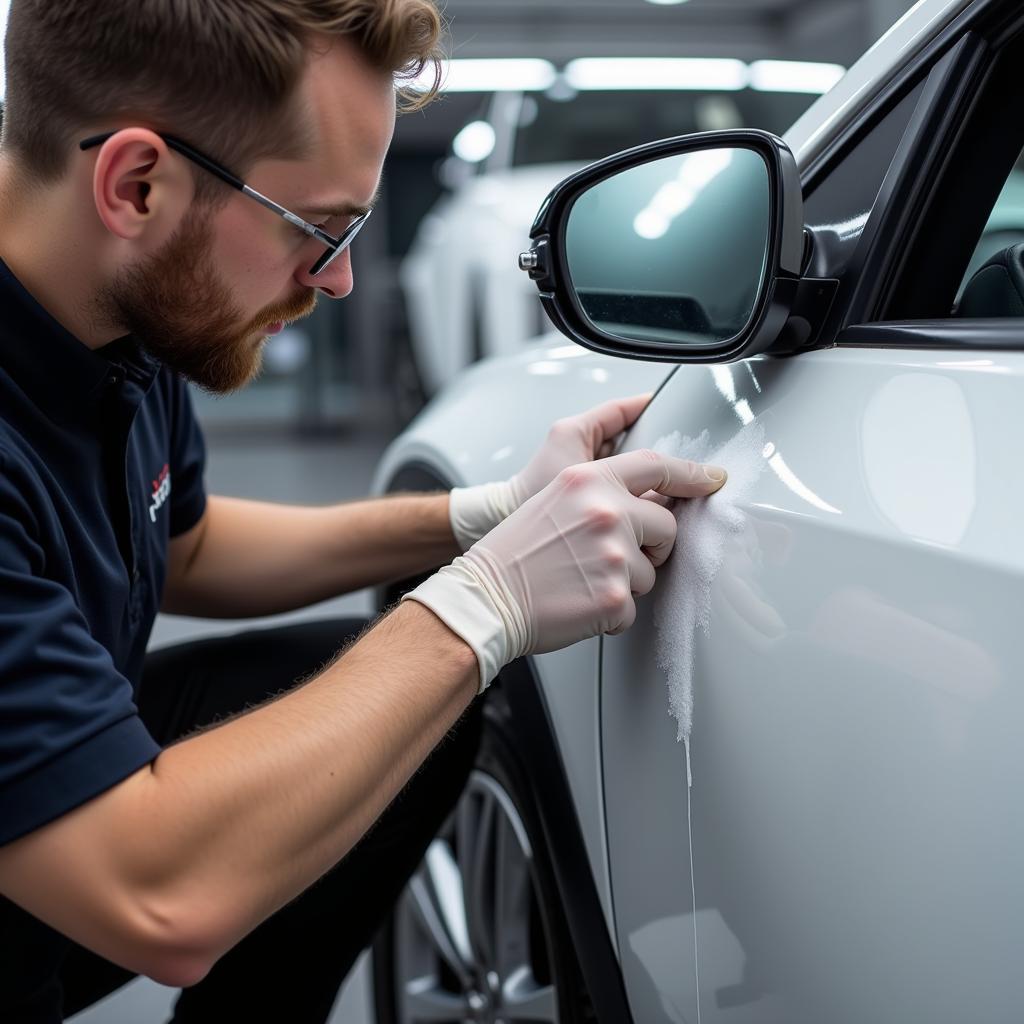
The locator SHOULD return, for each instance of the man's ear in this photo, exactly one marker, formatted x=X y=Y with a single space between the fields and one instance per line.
x=137 y=183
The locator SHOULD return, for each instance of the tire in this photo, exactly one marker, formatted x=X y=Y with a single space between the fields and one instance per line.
x=436 y=958
x=405 y=383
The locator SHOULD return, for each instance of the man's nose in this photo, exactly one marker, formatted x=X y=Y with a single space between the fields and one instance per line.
x=335 y=281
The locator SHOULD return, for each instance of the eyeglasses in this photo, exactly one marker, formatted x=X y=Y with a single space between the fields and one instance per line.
x=335 y=246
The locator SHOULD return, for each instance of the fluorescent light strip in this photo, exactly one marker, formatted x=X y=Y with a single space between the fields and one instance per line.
x=794 y=76
x=656 y=73
x=526 y=74
x=711 y=74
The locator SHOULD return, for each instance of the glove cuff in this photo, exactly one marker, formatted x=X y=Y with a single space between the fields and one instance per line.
x=463 y=598
x=475 y=511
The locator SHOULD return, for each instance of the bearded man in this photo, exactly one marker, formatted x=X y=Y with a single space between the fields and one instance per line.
x=178 y=180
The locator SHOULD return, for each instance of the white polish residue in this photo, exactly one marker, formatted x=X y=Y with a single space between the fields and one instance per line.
x=683 y=600
x=684 y=594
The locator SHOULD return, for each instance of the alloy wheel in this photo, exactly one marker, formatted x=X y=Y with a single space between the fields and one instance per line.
x=469 y=945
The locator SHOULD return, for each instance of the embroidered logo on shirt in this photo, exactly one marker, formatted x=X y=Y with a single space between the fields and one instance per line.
x=161 y=491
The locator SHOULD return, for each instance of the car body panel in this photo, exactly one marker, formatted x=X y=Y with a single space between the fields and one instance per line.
x=485 y=426
x=859 y=860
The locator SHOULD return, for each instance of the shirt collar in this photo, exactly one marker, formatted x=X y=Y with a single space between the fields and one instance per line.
x=53 y=367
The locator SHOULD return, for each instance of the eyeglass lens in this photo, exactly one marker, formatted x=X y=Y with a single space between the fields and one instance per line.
x=344 y=241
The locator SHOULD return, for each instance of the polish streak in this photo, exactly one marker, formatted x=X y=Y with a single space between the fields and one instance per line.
x=693 y=880
x=683 y=600
x=683 y=594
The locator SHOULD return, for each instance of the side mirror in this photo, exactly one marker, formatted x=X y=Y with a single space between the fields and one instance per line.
x=686 y=250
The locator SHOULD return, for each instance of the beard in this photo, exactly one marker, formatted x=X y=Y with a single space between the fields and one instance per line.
x=182 y=313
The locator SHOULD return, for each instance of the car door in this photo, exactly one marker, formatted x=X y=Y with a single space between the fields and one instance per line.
x=849 y=848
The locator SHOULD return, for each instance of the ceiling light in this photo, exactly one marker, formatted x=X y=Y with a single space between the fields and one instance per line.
x=656 y=73
x=794 y=76
x=475 y=142
x=699 y=74
x=5 y=8
x=675 y=197
x=527 y=74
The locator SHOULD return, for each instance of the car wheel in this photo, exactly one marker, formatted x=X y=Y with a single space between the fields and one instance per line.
x=478 y=934
x=408 y=395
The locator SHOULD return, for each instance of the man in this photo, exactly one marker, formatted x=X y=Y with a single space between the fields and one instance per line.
x=131 y=839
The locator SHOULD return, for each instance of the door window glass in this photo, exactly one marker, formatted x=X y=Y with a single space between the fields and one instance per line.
x=1004 y=228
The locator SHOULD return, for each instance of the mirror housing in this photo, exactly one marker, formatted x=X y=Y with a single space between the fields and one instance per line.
x=780 y=285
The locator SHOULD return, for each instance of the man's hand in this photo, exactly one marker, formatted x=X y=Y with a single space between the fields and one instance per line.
x=475 y=511
x=568 y=563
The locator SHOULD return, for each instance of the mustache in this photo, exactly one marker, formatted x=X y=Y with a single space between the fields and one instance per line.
x=297 y=307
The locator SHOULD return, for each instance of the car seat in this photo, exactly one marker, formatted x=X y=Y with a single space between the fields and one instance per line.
x=997 y=289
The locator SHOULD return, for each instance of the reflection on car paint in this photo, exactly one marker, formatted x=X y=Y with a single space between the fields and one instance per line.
x=726 y=384
x=934 y=453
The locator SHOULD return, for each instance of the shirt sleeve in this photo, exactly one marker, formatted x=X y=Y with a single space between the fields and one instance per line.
x=188 y=460
x=69 y=728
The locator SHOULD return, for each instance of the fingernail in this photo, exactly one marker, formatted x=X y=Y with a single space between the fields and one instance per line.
x=714 y=473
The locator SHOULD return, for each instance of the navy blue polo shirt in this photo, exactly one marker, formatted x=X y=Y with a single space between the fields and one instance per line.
x=101 y=462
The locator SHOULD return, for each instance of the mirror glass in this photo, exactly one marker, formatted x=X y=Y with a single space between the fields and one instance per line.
x=674 y=250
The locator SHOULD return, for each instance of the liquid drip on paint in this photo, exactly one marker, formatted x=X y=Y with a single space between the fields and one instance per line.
x=693 y=881
x=706 y=526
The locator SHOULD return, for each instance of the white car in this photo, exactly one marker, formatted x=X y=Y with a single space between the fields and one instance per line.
x=844 y=615
x=464 y=297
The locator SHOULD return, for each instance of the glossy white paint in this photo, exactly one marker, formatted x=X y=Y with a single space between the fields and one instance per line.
x=484 y=427
x=856 y=741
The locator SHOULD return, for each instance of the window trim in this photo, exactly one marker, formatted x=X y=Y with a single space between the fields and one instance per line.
x=996 y=334
x=878 y=104
x=908 y=186
x=915 y=212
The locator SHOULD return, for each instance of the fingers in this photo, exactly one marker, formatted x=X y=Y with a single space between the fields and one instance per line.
x=658 y=499
x=655 y=530
x=645 y=470
x=641 y=573
x=604 y=422
x=626 y=619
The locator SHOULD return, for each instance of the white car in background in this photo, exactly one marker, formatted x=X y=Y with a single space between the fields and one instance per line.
x=465 y=299
x=808 y=313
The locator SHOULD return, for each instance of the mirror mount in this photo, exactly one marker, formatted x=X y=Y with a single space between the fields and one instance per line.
x=788 y=312
x=811 y=306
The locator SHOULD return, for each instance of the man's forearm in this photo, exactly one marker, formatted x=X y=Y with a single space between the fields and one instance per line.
x=227 y=826
x=254 y=558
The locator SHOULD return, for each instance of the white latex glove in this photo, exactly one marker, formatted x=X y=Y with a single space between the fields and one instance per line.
x=475 y=511
x=566 y=565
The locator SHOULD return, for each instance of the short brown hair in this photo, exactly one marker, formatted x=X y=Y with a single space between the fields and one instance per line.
x=219 y=73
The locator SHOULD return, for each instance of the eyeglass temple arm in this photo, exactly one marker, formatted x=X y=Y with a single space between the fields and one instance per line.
x=310 y=229
x=185 y=150
x=228 y=178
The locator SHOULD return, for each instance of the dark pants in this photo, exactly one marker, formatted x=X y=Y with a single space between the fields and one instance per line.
x=291 y=966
